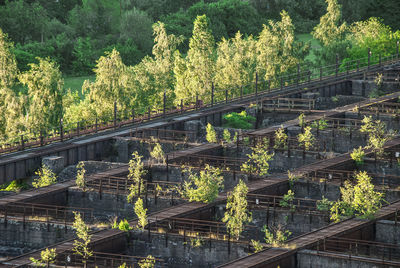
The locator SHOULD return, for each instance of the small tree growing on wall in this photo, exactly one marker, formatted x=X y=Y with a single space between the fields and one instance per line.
x=281 y=139
x=211 y=136
x=203 y=187
x=276 y=236
x=81 y=245
x=258 y=160
x=306 y=139
x=47 y=257
x=360 y=200
x=80 y=176
x=46 y=177
x=140 y=212
x=136 y=173
x=376 y=131
x=158 y=153
x=149 y=262
x=237 y=215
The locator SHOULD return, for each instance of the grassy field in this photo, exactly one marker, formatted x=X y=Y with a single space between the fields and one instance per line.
x=314 y=44
x=75 y=83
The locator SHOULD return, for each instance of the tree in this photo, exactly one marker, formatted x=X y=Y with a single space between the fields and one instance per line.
x=358 y=156
x=81 y=245
x=80 y=176
x=258 y=160
x=236 y=63
x=136 y=25
x=45 y=93
x=360 y=199
x=211 y=136
x=140 y=212
x=376 y=131
x=158 y=153
x=276 y=237
x=46 y=177
x=47 y=257
x=200 y=63
x=328 y=29
x=111 y=86
x=149 y=262
x=204 y=187
x=281 y=139
x=136 y=173
x=237 y=215
x=155 y=75
x=277 y=50
x=8 y=64
x=306 y=139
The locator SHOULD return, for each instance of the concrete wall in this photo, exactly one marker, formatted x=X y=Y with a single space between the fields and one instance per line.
x=310 y=259
x=176 y=254
x=113 y=205
x=15 y=239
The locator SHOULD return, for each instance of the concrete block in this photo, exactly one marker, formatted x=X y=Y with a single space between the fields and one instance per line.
x=55 y=163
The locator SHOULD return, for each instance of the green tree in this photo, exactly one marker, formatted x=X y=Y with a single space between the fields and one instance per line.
x=80 y=176
x=136 y=173
x=237 y=215
x=358 y=156
x=8 y=64
x=136 y=25
x=277 y=237
x=360 y=199
x=236 y=63
x=281 y=139
x=47 y=257
x=149 y=262
x=111 y=85
x=204 y=187
x=46 y=177
x=277 y=50
x=45 y=93
x=258 y=160
x=306 y=139
x=211 y=135
x=140 y=212
x=81 y=245
x=157 y=153
x=376 y=131
x=328 y=29
x=200 y=63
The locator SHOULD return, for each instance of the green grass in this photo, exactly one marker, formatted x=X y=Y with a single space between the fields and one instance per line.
x=314 y=45
x=75 y=83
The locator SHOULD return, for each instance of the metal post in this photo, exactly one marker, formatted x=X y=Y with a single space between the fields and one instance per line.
x=298 y=74
x=22 y=142
x=369 y=57
x=256 y=84
x=115 y=114
x=61 y=130
x=212 y=94
x=358 y=65
x=226 y=96
x=197 y=100
x=182 y=105
x=96 y=125
x=77 y=128
x=397 y=50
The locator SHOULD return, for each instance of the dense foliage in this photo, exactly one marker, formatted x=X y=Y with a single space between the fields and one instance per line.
x=138 y=63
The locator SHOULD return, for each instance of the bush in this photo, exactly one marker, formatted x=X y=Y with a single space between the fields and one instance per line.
x=239 y=120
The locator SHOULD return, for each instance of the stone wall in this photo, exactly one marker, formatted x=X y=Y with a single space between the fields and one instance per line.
x=15 y=239
x=176 y=253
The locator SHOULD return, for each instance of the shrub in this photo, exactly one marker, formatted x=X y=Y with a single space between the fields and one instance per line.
x=277 y=237
x=306 y=139
x=288 y=201
x=280 y=139
x=321 y=124
x=358 y=156
x=258 y=161
x=211 y=136
x=239 y=120
x=46 y=177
